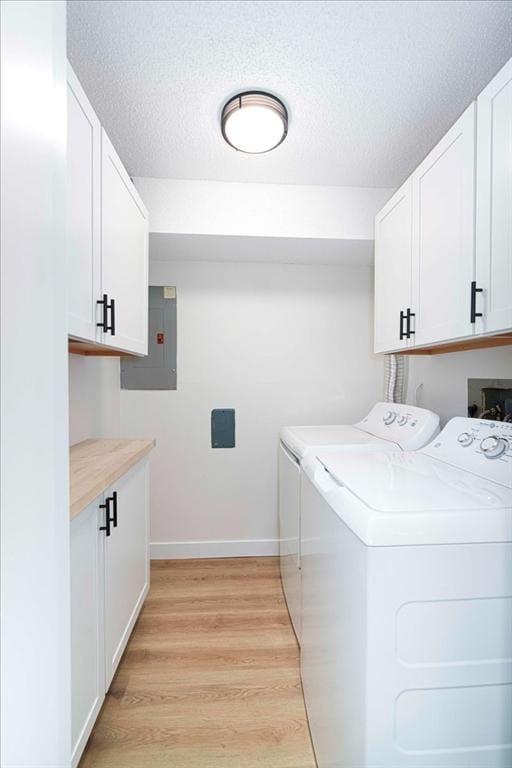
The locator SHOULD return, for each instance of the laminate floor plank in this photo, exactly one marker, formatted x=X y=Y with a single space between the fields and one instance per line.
x=210 y=677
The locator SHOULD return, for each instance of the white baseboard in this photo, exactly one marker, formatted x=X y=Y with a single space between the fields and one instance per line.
x=180 y=550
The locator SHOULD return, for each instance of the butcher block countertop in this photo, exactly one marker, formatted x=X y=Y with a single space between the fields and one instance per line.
x=96 y=464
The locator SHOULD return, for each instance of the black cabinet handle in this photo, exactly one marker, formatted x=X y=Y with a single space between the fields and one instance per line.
x=474 y=291
x=107 y=306
x=104 y=302
x=402 y=318
x=112 y=326
x=410 y=314
x=106 y=527
x=113 y=499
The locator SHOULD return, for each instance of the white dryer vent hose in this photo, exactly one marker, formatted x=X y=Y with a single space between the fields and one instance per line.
x=395 y=387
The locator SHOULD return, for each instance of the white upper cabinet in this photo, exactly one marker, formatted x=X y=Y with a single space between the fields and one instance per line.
x=493 y=301
x=460 y=205
x=83 y=212
x=393 y=243
x=124 y=250
x=107 y=237
x=443 y=190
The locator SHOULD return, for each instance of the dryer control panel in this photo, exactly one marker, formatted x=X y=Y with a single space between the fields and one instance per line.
x=479 y=446
x=407 y=425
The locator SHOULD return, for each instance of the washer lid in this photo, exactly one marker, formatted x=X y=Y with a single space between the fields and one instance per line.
x=303 y=440
x=411 y=498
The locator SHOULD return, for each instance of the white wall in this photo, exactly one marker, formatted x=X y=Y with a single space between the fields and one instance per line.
x=93 y=397
x=444 y=378
x=35 y=626
x=282 y=344
x=263 y=210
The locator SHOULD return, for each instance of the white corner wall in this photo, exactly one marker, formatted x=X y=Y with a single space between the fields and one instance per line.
x=35 y=576
x=440 y=382
x=94 y=389
x=280 y=343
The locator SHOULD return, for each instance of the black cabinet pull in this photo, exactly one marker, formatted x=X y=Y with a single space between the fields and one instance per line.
x=113 y=499
x=410 y=314
x=106 y=307
x=402 y=318
x=104 y=302
x=106 y=527
x=474 y=291
x=112 y=326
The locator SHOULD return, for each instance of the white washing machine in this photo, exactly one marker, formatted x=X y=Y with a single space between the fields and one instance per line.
x=388 y=426
x=406 y=652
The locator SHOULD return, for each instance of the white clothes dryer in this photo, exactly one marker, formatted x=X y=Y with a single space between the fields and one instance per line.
x=406 y=647
x=387 y=427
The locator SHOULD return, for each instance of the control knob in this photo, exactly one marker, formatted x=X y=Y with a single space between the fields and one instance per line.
x=402 y=421
x=465 y=439
x=389 y=417
x=493 y=446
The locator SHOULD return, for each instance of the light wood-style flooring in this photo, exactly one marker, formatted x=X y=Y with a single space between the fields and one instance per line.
x=210 y=677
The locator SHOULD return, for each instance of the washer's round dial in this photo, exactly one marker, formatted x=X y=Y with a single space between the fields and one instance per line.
x=493 y=446
x=389 y=417
x=465 y=439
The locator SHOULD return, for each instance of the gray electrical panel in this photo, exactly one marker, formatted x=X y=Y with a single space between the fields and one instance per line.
x=158 y=369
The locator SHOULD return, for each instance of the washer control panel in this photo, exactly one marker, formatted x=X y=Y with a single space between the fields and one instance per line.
x=480 y=446
x=408 y=426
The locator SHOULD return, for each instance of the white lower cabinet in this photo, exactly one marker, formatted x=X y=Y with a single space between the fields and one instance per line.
x=109 y=582
x=126 y=564
x=87 y=624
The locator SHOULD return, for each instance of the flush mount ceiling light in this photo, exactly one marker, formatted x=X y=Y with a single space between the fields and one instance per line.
x=254 y=122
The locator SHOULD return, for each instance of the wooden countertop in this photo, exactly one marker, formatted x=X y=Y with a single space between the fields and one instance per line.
x=96 y=464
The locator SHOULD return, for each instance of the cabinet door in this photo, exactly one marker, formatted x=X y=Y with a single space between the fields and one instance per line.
x=494 y=204
x=126 y=563
x=124 y=254
x=83 y=212
x=87 y=625
x=443 y=235
x=393 y=248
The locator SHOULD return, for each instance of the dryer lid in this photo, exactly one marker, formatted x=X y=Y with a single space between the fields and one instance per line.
x=303 y=440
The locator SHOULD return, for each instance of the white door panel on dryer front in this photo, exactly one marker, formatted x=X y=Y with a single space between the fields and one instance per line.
x=126 y=563
x=443 y=236
x=494 y=204
x=393 y=246
x=87 y=625
x=124 y=252
x=82 y=212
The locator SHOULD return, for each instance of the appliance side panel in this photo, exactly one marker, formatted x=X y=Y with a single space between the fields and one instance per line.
x=333 y=636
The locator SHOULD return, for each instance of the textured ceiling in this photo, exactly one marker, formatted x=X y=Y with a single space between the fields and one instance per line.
x=370 y=86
